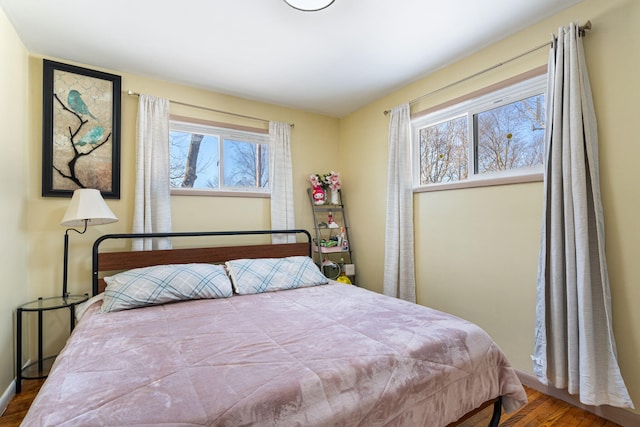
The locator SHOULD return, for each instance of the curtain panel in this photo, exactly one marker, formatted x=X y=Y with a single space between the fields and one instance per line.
x=152 y=204
x=574 y=344
x=281 y=181
x=399 y=271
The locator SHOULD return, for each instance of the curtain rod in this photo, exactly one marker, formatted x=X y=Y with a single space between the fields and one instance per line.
x=132 y=93
x=582 y=29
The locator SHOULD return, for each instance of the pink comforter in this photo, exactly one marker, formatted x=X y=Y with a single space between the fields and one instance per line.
x=333 y=355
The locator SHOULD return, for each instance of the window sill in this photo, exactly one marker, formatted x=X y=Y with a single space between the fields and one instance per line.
x=484 y=182
x=219 y=193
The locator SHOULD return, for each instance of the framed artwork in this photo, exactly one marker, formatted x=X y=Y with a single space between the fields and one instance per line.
x=80 y=130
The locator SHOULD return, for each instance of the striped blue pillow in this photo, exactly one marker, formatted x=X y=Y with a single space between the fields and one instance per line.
x=253 y=276
x=160 y=284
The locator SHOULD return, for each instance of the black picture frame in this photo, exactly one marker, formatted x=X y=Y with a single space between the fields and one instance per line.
x=80 y=130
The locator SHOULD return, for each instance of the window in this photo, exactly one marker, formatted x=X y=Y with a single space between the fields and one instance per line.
x=206 y=157
x=484 y=140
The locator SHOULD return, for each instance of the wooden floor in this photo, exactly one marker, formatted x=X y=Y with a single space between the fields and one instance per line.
x=20 y=403
x=541 y=411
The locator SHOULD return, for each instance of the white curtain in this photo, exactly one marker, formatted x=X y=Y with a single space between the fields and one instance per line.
x=574 y=344
x=399 y=272
x=152 y=207
x=281 y=181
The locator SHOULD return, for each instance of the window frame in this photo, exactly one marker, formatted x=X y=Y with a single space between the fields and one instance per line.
x=223 y=132
x=486 y=101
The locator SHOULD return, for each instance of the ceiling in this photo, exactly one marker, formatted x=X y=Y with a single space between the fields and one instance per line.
x=332 y=62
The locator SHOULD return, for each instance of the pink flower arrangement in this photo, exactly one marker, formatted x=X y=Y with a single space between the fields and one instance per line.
x=328 y=180
x=333 y=179
x=316 y=181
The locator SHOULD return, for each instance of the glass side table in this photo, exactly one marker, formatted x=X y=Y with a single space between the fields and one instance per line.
x=41 y=367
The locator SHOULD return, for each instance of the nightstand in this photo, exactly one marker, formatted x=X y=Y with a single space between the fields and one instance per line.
x=40 y=368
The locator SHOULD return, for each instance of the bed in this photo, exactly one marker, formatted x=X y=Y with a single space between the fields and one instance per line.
x=297 y=351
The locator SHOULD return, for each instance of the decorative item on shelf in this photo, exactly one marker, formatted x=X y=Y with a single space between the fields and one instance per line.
x=326 y=243
x=344 y=243
x=330 y=269
x=342 y=278
x=322 y=183
x=335 y=197
x=333 y=180
x=319 y=194
x=87 y=207
x=331 y=221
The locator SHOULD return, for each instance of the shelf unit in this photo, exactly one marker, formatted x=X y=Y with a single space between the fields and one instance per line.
x=331 y=259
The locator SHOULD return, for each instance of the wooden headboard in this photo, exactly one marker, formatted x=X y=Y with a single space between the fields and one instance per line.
x=126 y=260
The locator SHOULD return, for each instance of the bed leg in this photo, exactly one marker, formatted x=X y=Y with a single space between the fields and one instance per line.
x=497 y=413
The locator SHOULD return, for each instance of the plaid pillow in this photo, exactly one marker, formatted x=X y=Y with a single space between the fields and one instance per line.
x=253 y=276
x=165 y=283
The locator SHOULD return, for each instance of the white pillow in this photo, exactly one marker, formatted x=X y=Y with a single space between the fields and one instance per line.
x=254 y=276
x=160 y=284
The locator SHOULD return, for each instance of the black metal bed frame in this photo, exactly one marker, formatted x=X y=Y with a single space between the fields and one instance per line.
x=497 y=405
x=497 y=413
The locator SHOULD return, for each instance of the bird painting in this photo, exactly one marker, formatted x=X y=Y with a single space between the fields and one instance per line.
x=77 y=104
x=91 y=137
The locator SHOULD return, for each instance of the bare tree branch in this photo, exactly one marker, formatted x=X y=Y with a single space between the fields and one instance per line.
x=71 y=175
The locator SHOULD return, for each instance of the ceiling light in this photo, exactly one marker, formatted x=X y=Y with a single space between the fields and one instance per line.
x=309 y=5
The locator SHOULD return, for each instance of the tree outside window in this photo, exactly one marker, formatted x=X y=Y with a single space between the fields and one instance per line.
x=498 y=134
x=198 y=159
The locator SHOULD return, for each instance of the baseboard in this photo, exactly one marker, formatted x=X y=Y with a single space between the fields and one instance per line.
x=617 y=415
x=7 y=396
x=9 y=392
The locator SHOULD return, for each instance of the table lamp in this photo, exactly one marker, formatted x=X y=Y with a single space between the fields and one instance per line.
x=87 y=208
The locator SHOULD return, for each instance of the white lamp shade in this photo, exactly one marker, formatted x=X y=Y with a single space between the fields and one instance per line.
x=309 y=5
x=87 y=204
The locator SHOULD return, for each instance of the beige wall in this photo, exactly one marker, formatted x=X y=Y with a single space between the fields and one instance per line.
x=314 y=143
x=14 y=180
x=476 y=249
x=314 y=138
